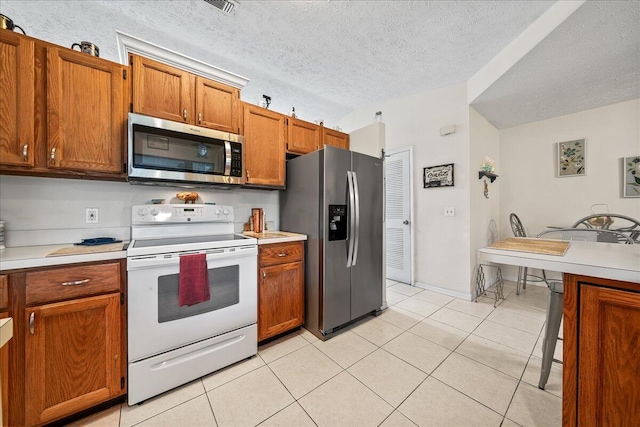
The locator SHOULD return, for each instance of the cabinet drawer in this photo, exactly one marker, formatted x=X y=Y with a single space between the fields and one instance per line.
x=72 y=282
x=4 y=291
x=280 y=253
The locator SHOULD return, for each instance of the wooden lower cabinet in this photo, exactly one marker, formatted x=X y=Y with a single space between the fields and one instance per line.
x=69 y=347
x=4 y=376
x=280 y=288
x=601 y=384
x=72 y=356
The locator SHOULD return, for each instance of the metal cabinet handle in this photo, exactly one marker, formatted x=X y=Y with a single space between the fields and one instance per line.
x=200 y=118
x=76 y=282
x=32 y=321
x=264 y=274
x=281 y=254
x=248 y=175
x=184 y=114
x=53 y=154
x=25 y=151
x=405 y=222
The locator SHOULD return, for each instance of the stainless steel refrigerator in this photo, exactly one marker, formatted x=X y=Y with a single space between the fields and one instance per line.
x=335 y=197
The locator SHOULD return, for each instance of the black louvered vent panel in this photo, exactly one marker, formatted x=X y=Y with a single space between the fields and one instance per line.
x=224 y=5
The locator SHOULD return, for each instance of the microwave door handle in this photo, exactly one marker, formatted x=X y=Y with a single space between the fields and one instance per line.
x=352 y=219
x=227 y=157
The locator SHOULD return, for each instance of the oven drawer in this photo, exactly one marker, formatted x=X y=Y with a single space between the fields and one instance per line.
x=280 y=253
x=72 y=282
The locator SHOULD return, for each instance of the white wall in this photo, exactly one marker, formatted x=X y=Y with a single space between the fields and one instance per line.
x=440 y=242
x=40 y=211
x=484 y=141
x=529 y=186
x=368 y=140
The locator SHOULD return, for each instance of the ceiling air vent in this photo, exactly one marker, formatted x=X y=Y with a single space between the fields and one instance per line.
x=226 y=6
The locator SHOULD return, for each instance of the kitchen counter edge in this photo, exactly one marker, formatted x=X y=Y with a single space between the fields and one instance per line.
x=17 y=258
x=276 y=237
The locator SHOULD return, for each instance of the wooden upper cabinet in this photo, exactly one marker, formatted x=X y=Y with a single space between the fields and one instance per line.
x=85 y=112
x=304 y=137
x=166 y=92
x=17 y=93
x=162 y=91
x=217 y=105
x=264 y=146
x=335 y=138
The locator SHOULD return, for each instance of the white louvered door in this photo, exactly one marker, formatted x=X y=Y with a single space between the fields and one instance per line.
x=398 y=216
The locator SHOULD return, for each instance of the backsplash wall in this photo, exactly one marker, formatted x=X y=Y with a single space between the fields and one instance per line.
x=43 y=211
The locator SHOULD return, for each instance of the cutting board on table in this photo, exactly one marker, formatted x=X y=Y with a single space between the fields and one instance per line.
x=534 y=246
x=78 y=250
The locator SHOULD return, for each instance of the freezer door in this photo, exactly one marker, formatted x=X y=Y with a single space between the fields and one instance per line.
x=336 y=304
x=366 y=273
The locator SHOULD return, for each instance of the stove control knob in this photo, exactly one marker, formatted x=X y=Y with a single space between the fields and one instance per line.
x=142 y=211
x=217 y=211
x=154 y=211
x=225 y=211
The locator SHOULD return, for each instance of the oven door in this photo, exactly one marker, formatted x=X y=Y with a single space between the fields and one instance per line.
x=156 y=322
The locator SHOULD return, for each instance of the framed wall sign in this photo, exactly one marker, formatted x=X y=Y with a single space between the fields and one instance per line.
x=438 y=176
x=631 y=176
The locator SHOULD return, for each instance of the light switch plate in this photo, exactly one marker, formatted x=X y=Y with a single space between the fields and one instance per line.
x=449 y=211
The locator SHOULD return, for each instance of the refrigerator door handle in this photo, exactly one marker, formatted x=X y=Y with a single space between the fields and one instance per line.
x=356 y=192
x=352 y=219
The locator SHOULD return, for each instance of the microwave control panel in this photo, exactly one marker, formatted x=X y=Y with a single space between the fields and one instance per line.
x=236 y=159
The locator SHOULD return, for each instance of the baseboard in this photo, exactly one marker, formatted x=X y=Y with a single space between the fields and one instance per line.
x=444 y=291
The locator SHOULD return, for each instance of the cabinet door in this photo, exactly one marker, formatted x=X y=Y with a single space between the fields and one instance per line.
x=160 y=90
x=217 y=105
x=304 y=137
x=281 y=299
x=4 y=378
x=264 y=146
x=608 y=357
x=17 y=94
x=72 y=356
x=85 y=112
x=335 y=138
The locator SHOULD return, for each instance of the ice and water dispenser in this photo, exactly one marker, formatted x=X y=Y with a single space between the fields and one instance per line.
x=337 y=222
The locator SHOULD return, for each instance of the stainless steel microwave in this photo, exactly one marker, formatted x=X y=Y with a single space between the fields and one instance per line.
x=173 y=153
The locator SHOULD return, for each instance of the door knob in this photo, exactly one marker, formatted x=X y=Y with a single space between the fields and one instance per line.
x=405 y=222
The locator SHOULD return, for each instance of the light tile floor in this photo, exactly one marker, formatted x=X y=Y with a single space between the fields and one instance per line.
x=429 y=360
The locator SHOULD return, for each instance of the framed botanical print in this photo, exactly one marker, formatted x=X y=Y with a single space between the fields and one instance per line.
x=572 y=158
x=631 y=176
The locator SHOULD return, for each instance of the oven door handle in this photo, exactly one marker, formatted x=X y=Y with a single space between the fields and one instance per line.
x=146 y=261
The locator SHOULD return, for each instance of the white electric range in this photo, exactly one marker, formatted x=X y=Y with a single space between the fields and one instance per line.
x=169 y=345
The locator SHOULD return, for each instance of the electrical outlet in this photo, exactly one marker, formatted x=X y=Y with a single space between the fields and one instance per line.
x=449 y=211
x=91 y=216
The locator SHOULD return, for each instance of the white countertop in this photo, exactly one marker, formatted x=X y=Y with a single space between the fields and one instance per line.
x=269 y=237
x=603 y=260
x=36 y=256
x=6 y=330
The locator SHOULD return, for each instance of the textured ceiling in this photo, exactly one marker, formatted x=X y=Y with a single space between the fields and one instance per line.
x=326 y=58
x=591 y=60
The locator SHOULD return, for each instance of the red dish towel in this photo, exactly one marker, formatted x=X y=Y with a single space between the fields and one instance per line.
x=194 y=279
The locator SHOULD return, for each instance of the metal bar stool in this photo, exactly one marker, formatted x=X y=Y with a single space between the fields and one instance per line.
x=518 y=231
x=555 y=299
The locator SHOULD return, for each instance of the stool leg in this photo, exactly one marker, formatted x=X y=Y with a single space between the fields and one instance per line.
x=519 y=281
x=552 y=328
x=524 y=279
